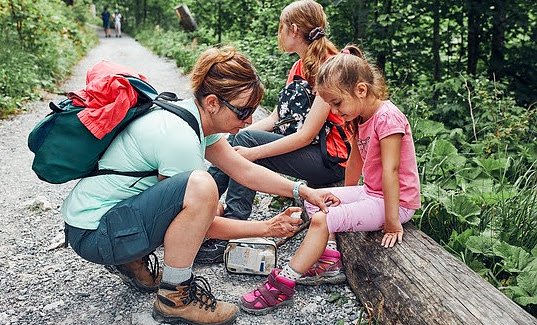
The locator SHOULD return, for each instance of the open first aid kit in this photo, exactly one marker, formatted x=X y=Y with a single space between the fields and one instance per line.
x=250 y=256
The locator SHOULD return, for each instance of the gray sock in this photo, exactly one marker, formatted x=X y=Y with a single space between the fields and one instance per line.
x=174 y=275
x=332 y=245
x=289 y=273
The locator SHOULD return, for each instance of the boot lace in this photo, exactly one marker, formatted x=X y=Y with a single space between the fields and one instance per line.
x=152 y=265
x=199 y=290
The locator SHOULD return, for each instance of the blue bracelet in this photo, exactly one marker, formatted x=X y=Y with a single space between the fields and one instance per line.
x=296 y=186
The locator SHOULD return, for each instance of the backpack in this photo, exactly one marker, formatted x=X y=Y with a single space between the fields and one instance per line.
x=66 y=150
x=294 y=104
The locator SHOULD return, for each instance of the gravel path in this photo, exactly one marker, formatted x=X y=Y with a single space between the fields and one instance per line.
x=43 y=284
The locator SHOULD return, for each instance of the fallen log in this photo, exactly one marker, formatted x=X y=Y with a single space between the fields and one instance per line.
x=419 y=282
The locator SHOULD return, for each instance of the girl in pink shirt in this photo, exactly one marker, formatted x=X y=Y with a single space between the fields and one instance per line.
x=382 y=153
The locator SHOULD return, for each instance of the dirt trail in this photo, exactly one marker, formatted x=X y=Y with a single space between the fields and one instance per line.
x=42 y=285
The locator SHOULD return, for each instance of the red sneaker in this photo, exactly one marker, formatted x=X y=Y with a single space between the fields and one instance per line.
x=275 y=292
x=328 y=269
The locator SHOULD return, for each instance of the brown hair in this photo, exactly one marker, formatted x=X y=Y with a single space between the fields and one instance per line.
x=341 y=73
x=226 y=73
x=309 y=17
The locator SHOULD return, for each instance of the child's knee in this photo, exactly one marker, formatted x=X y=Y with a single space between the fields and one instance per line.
x=318 y=221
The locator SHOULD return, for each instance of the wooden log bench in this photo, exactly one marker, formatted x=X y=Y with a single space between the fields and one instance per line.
x=419 y=282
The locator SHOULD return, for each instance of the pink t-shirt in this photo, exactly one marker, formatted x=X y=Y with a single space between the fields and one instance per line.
x=386 y=121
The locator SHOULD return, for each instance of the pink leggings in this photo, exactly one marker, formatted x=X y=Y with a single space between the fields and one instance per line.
x=358 y=211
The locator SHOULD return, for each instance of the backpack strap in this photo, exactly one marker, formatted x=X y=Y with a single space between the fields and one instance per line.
x=182 y=113
x=175 y=109
x=327 y=159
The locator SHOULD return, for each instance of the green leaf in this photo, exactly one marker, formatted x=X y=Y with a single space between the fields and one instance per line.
x=491 y=165
x=465 y=210
x=427 y=128
x=514 y=292
x=481 y=245
x=528 y=281
x=435 y=192
x=334 y=297
x=524 y=301
x=515 y=259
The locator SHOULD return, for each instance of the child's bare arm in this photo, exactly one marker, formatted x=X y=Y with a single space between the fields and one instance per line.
x=390 y=150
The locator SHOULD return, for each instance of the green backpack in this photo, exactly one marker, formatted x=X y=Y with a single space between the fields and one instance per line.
x=66 y=150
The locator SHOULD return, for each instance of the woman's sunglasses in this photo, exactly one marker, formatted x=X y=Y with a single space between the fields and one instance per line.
x=242 y=113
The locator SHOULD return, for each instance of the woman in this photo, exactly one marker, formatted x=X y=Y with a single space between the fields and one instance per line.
x=114 y=222
x=301 y=31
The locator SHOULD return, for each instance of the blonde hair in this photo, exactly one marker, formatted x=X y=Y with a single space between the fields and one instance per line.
x=308 y=16
x=225 y=73
x=341 y=73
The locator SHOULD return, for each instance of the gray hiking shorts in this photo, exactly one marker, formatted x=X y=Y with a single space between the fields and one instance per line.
x=134 y=227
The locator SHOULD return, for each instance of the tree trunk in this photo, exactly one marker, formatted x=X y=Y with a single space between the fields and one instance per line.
x=436 y=49
x=418 y=282
x=474 y=12
x=497 y=46
x=436 y=41
x=186 y=19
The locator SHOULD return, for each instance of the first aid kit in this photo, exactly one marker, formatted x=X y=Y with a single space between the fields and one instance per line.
x=256 y=256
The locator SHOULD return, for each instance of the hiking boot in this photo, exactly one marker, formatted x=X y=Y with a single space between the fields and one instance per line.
x=192 y=302
x=326 y=270
x=211 y=252
x=275 y=292
x=143 y=274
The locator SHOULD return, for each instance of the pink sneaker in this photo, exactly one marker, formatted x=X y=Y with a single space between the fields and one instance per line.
x=326 y=270
x=275 y=292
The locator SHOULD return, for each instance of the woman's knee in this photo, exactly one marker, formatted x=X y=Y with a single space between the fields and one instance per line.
x=201 y=187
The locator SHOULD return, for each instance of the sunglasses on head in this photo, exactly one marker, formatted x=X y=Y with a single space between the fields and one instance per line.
x=242 y=113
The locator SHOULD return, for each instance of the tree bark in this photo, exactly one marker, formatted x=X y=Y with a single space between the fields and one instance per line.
x=186 y=19
x=497 y=46
x=436 y=41
x=474 y=12
x=418 y=282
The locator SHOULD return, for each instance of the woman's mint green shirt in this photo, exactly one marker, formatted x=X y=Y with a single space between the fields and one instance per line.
x=159 y=140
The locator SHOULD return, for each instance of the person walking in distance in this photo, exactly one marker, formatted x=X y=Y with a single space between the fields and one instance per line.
x=117 y=23
x=105 y=15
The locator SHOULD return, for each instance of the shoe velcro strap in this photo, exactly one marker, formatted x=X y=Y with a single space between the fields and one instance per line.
x=270 y=297
x=281 y=287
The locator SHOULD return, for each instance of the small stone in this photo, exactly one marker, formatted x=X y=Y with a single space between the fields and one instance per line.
x=54 y=305
x=143 y=319
x=83 y=294
x=309 y=309
x=40 y=203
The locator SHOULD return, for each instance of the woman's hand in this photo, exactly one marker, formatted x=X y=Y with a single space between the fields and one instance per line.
x=282 y=225
x=248 y=153
x=319 y=197
x=392 y=234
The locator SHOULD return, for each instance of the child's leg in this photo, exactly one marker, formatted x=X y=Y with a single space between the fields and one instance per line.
x=346 y=194
x=317 y=260
x=278 y=289
x=365 y=214
x=312 y=246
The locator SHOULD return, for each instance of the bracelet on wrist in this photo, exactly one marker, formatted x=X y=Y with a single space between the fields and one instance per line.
x=296 y=187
